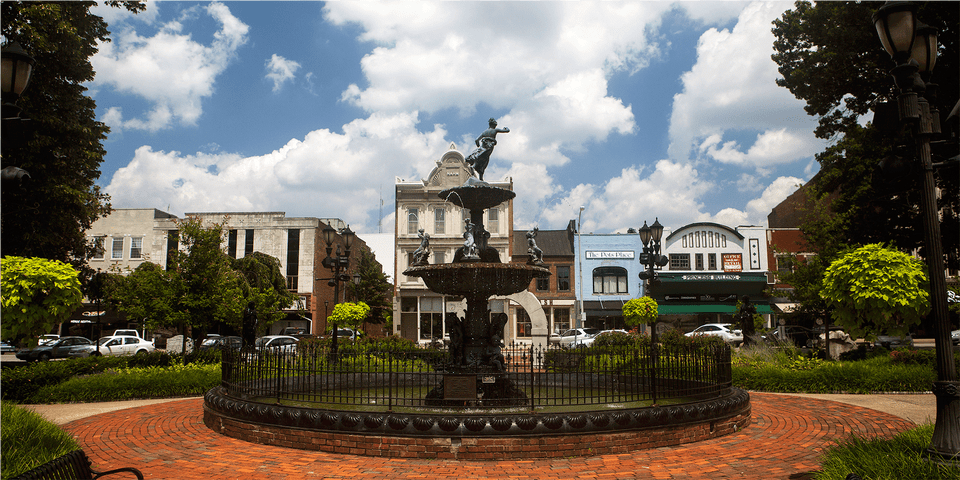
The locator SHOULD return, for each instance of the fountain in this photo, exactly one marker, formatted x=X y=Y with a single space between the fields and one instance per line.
x=476 y=400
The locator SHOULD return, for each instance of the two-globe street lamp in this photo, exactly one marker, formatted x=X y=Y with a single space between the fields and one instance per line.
x=651 y=258
x=913 y=47
x=338 y=265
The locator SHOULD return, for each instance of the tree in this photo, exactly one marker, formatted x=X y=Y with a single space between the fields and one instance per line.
x=830 y=57
x=208 y=289
x=264 y=287
x=348 y=314
x=374 y=288
x=47 y=214
x=640 y=311
x=37 y=295
x=148 y=294
x=876 y=289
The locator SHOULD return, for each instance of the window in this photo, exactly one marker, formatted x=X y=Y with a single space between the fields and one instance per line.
x=610 y=280
x=561 y=320
x=784 y=264
x=679 y=261
x=117 y=252
x=136 y=247
x=98 y=248
x=712 y=261
x=173 y=246
x=412 y=222
x=431 y=318
x=232 y=244
x=439 y=221
x=493 y=220
x=543 y=284
x=563 y=279
x=248 y=243
x=293 y=258
x=524 y=325
x=699 y=258
x=439 y=257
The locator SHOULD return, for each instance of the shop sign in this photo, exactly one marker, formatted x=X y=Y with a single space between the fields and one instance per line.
x=600 y=255
x=732 y=262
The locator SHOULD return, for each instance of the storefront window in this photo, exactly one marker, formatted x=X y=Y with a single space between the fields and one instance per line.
x=610 y=280
x=561 y=320
x=524 y=325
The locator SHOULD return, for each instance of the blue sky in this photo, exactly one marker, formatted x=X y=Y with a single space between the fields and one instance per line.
x=634 y=110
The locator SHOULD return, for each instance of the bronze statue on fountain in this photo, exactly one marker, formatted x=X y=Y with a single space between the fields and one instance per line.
x=476 y=362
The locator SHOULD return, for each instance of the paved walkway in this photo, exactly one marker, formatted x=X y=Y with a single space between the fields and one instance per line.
x=788 y=434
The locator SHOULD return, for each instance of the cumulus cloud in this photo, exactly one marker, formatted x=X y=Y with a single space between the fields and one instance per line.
x=324 y=174
x=170 y=71
x=280 y=70
x=732 y=89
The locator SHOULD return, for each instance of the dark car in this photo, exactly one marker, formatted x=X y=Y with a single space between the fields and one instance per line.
x=65 y=347
x=219 y=343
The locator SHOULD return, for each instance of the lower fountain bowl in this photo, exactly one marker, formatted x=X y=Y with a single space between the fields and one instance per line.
x=477 y=278
x=476 y=435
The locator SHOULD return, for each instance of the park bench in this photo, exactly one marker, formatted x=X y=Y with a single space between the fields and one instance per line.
x=72 y=466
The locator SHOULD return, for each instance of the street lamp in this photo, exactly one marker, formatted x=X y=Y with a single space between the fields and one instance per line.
x=913 y=46
x=15 y=70
x=338 y=265
x=651 y=258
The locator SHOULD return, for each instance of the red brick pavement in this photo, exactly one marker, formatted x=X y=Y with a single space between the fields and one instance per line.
x=169 y=441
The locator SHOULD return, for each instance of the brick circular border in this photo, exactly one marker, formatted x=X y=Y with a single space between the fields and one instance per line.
x=476 y=437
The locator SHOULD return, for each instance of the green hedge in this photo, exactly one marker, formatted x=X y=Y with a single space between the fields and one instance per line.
x=20 y=383
x=179 y=380
x=815 y=376
x=28 y=440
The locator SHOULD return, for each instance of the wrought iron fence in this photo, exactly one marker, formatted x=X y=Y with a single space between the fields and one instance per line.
x=382 y=377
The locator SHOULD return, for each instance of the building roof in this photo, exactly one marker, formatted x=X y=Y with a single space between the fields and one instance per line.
x=553 y=243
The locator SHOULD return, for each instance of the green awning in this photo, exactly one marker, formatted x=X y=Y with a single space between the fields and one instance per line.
x=707 y=308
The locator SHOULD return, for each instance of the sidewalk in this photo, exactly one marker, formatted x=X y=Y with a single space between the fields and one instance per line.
x=167 y=439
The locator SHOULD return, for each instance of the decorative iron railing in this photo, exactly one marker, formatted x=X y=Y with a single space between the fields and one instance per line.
x=381 y=377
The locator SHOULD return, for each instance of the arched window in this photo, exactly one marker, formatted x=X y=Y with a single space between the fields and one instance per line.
x=439 y=221
x=610 y=280
x=412 y=222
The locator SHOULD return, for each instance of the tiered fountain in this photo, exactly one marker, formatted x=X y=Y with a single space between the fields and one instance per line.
x=472 y=408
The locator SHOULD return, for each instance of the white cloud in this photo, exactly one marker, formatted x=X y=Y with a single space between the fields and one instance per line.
x=280 y=70
x=731 y=90
x=169 y=70
x=549 y=66
x=326 y=173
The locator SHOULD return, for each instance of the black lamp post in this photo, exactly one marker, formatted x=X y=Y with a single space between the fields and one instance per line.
x=15 y=69
x=913 y=46
x=338 y=265
x=15 y=72
x=650 y=259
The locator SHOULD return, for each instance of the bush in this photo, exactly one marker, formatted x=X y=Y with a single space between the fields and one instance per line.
x=28 y=441
x=804 y=375
x=20 y=383
x=177 y=380
x=900 y=457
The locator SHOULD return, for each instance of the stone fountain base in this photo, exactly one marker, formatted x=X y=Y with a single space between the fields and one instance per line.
x=484 y=436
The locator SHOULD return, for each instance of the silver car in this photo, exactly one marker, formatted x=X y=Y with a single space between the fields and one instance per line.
x=574 y=335
x=722 y=330
x=115 y=345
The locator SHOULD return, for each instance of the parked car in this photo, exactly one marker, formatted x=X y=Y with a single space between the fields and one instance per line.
x=219 y=343
x=722 y=330
x=572 y=335
x=66 y=347
x=892 y=341
x=48 y=338
x=7 y=348
x=955 y=337
x=346 y=333
x=293 y=331
x=588 y=341
x=282 y=343
x=128 y=332
x=122 y=345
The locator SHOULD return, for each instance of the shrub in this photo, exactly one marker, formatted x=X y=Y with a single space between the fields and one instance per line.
x=177 y=380
x=899 y=457
x=28 y=441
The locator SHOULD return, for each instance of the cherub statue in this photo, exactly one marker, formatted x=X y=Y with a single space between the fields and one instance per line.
x=485 y=143
x=421 y=255
x=536 y=255
x=469 y=243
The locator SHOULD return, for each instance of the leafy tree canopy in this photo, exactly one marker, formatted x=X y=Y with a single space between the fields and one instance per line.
x=46 y=214
x=876 y=290
x=640 y=311
x=37 y=295
x=263 y=286
x=348 y=314
x=374 y=288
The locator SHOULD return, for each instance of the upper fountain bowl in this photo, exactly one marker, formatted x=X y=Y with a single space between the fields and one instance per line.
x=477 y=195
x=477 y=279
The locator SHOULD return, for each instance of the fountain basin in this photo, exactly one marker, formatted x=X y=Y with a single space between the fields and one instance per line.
x=477 y=196
x=474 y=279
